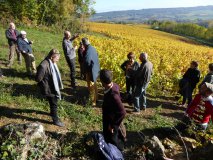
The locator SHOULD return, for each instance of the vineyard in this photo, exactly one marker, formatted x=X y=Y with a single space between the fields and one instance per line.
x=170 y=54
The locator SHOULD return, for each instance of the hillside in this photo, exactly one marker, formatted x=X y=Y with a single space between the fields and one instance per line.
x=183 y=14
x=21 y=101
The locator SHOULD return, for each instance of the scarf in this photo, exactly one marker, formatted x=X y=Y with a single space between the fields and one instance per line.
x=56 y=78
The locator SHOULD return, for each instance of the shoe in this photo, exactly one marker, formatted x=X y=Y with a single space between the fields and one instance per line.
x=136 y=111
x=2 y=76
x=8 y=65
x=58 y=123
x=144 y=109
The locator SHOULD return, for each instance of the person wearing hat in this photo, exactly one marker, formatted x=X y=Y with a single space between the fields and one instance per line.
x=81 y=57
x=130 y=67
x=142 y=79
x=25 y=48
x=113 y=111
x=70 y=55
x=12 y=36
x=200 y=110
x=91 y=68
x=49 y=80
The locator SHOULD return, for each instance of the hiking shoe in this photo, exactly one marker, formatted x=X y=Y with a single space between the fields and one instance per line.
x=136 y=111
x=58 y=123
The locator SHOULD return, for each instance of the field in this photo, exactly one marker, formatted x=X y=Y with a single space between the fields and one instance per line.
x=20 y=99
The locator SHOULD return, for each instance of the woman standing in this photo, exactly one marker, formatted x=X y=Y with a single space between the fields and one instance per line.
x=189 y=80
x=130 y=67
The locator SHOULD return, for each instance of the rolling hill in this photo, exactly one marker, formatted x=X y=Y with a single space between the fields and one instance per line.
x=189 y=14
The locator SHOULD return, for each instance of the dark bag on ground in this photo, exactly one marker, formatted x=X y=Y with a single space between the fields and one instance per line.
x=104 y=151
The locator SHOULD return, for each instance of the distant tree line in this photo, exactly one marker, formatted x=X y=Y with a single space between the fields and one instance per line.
x=186 y=29
x=61 y=13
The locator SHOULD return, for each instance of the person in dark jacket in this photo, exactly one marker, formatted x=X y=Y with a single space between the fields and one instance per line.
x=25 y=48
x=209 y=77
x=113 y=111
x=130 y=67
x=191 y=77
x=50 y=83
x=91 y=68
x=12 y=35
x=81 y=59
x=142 y=79
x=70 y=55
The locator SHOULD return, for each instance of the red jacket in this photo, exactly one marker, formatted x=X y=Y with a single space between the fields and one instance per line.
x=200 y=109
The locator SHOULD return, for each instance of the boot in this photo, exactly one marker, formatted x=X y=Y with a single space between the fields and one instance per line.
x=57 y=122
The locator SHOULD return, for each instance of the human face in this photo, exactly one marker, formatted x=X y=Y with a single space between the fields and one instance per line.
x=24 y=36
x=55 y=58
x=12 y=26
x=141 y=58
x=67 y=35
x=131 y=60
x=192 y=66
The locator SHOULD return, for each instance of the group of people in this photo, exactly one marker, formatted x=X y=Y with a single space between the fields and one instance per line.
x=137 y=77
x=19 y=43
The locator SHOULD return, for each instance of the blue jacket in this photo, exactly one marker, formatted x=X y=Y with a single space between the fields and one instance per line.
x=91 y=63
x=24 y=46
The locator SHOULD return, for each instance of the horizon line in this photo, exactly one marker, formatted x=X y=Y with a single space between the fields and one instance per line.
x=152 y=8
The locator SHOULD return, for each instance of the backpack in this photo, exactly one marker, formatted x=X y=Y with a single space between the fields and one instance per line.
x=104 y=151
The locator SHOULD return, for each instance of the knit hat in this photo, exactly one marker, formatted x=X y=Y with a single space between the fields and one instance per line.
x=85 y=41
x=209 y=86
x=106 y=76
x=23 y=32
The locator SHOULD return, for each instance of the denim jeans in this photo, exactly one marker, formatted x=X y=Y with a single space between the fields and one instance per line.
x=140 y=97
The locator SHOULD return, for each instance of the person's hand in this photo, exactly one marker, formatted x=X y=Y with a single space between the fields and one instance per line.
x=75 y=47
x=31 y=42
x=76 y=35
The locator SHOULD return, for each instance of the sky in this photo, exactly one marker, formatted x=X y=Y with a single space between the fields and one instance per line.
x=115 y=5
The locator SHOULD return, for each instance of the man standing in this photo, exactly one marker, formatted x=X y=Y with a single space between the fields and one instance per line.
x=50 y=83
x=70 y=55
x=25 y=48
x=113 y=111
x=91 y=68
x=142 y=78
x=12 y=36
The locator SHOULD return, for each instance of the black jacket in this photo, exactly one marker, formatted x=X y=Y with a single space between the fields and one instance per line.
x=10 y=38
x=192 y=76
x=131 y=72
x=45 y=80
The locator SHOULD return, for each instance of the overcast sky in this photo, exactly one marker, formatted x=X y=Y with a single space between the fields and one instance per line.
x=115 y=5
